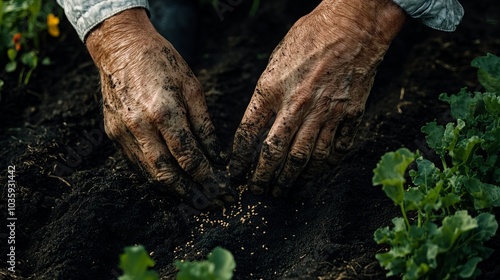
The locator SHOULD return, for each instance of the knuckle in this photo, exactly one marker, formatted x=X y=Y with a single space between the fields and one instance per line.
x=321 y=153
x=273 y=150
x=266 y=82
x=190 y=163
x=206 y=129
x=166 y=176
x=299 y=156
x=160 y=116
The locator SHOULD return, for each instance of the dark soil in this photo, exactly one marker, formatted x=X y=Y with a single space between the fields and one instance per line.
x=74 y=222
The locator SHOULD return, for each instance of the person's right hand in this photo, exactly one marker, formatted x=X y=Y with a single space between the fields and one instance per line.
x=154 y=106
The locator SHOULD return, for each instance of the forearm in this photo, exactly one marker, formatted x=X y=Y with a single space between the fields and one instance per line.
x=84 y=15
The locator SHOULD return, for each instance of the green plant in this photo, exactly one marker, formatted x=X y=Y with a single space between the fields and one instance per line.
x=22 y=23
x=135 y=263
x=219 y=265
x=437 y=237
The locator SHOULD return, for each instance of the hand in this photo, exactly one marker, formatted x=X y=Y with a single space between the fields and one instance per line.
x=313 y=91
x=153 y=104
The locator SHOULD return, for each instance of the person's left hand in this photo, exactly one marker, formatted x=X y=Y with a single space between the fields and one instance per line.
x=313 y=91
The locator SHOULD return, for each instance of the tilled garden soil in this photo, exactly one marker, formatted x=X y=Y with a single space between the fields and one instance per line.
x=79 y=201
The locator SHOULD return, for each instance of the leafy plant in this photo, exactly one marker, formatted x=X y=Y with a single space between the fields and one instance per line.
x=219 y=265
x=445 y=241
x=22 y=23
x=423 y=249
x=135 y=263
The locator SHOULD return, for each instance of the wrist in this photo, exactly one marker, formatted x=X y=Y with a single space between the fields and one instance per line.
x=117 y=34
x=382 y=19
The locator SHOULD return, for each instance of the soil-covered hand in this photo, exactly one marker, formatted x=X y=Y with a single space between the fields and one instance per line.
x=313 y=92
x=153 y=104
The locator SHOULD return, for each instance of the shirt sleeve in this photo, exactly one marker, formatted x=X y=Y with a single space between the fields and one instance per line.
x=86 y=14
x=444 y=15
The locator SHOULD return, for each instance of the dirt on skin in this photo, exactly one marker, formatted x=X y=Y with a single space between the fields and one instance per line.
x=79 y=201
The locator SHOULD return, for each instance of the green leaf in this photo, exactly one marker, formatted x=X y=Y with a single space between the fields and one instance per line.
x=413 y=198
x=202 y=270
x=394 y=264
x=434 y=136
x=219 y=265
x=463 y=150
x=484 y=195
x=426 y=174
x=451 y=135
x=390 y=173
x=468 y=269
x=11 y=66
x=30 y=59
x=224 y=263
x=487 y=225
x=492 y=104
x=453 y=226
x=462 y=104
x=450 y=199
x=383 y=235
x=135 y=263
x=12 y=53
x=432 y=200
x=488 y=72
x=46 y=61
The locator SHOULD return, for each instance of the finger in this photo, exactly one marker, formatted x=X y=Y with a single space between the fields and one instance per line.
x=158 y=161
x=346 y=131
x=345 y=136
x=298 y=156
x=254 y=122
x=325 y=140
x=274 y=150
x=156 y=157
x=201 y=122
x=175 y=130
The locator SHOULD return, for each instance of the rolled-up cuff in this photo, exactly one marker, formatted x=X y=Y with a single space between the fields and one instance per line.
x=85 y=15
x=444 y=15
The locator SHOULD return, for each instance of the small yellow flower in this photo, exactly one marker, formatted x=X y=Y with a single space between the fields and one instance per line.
x=53 y=25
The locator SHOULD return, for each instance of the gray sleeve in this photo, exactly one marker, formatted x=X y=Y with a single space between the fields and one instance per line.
x=86 y=14
x=442 y=15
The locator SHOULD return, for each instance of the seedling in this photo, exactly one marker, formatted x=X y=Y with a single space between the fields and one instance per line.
x=136 y=263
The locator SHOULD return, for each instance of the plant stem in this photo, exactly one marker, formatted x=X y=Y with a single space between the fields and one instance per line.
x=407 y=222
